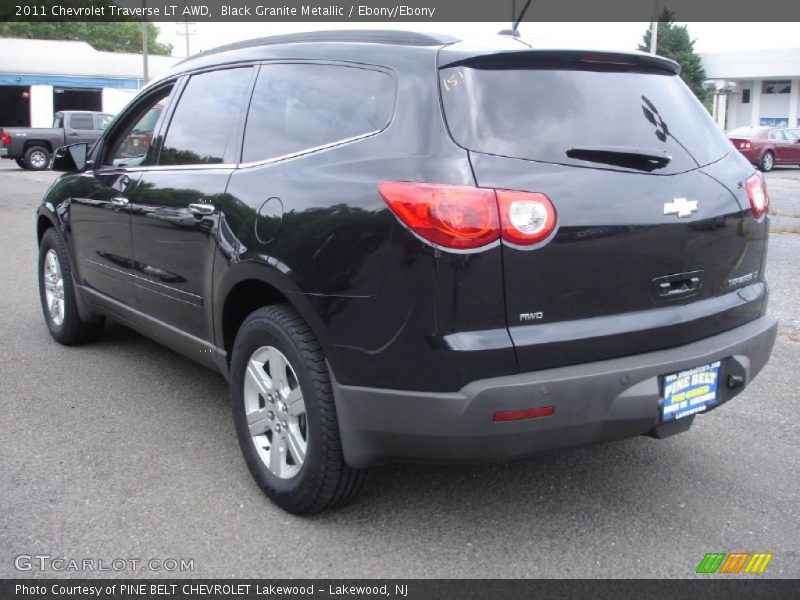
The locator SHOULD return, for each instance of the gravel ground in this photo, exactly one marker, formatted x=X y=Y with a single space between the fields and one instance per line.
x=122 y=449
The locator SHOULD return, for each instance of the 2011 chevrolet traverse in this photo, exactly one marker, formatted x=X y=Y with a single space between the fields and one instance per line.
x=400 y=246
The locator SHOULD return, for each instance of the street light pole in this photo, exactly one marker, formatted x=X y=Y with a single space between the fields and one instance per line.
x=654 y=29
x=145 y=74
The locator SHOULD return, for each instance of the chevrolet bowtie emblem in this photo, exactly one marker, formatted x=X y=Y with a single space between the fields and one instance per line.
x=681 y=207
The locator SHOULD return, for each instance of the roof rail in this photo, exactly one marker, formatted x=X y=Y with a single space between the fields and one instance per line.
x=366 y=36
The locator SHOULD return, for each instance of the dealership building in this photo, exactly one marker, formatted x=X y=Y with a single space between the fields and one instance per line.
x=41 y=77
x=754 y=87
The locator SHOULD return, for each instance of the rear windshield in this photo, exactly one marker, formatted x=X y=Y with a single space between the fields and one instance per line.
x=746 y=132
x=540 y=114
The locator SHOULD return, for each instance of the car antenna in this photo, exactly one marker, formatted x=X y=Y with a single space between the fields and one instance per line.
x=513 y=32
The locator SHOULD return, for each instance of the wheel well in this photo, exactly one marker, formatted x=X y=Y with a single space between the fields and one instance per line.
x=244 y=298
x=43 y=143
x=42 y=225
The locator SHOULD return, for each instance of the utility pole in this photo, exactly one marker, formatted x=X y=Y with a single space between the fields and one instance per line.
x=654 y=29
x=145 y=74
x=186 y=29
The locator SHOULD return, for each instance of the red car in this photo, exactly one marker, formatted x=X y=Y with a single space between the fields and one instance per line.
x=766 y=147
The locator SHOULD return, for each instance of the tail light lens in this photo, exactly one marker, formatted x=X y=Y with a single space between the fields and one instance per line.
x=452 y=216
x=757 y=193
x=526 y=218
x=468 y=218
x=6 y=139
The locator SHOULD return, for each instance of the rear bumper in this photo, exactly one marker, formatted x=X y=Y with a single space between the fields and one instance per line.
x=598 y=401
x=752 y=155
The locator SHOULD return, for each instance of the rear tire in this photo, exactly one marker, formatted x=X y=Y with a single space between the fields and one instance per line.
x=285 y=416
x=767 y=162
x=20 y=163
x=37 y=158
x=57 y=294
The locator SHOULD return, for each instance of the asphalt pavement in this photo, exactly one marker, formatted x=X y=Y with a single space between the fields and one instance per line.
x=124 y=450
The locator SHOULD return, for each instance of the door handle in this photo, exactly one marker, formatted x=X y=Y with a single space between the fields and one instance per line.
x=119 y=202
x=202 y=210
x=73 y=135
x=680 y=285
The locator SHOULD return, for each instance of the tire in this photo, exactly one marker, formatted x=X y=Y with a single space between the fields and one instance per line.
x=278 y=364
x=37 y=158
x=21 y=163
x=57 y=294
x=767 y=162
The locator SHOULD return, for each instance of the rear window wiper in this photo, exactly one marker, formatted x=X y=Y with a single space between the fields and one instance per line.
x=641 y=159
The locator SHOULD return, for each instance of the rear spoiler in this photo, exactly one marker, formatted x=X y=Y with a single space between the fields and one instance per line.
x=454 y=55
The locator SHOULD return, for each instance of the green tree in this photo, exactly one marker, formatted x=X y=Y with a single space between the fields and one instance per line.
x=109 y=36
x=674 y=42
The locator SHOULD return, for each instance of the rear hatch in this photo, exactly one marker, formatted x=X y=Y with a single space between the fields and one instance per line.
x=655 y=243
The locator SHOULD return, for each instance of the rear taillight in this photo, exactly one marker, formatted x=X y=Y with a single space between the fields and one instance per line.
x=468 y=218
x=757 y=193
x=452 y=216
x=6 y=139
x=526 y=218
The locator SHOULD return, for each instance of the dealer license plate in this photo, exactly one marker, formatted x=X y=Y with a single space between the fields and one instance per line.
x=689 y=392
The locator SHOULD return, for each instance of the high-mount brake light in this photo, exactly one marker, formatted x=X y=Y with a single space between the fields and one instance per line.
x=468 y=218
x=615 y=59
x=757 y=193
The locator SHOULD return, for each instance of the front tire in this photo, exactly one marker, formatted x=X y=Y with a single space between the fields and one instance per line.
x=57 y=294
x=285 y=416
x=767 y=162
x=37 y=158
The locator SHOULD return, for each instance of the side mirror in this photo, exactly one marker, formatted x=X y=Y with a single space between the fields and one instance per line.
x=70 y=158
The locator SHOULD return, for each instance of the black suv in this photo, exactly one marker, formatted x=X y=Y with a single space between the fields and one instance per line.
x=403 y=247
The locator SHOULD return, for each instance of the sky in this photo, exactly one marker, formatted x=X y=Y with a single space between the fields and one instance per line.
x=710 y=37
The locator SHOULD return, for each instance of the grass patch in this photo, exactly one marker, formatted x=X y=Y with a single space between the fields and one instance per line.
x=785 y=213
x=780 y=228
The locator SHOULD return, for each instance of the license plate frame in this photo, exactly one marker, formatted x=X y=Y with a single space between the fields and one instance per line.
x=690 y=391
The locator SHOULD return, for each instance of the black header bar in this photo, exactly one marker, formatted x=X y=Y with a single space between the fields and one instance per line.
x=394 y=10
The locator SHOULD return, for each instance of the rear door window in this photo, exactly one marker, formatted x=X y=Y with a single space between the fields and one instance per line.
x=541 y=113
x=299 y=107
x=204 y=126
x=83 y=122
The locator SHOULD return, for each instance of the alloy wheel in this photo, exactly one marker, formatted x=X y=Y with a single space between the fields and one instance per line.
x=54 y=287
x=38 y=159
x=276 y=412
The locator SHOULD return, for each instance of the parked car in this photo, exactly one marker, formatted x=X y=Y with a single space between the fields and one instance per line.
x=766 y=147
x=32 y=147
x=402 y=247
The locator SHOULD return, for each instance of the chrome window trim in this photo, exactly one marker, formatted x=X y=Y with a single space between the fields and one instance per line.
x=269 y=161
